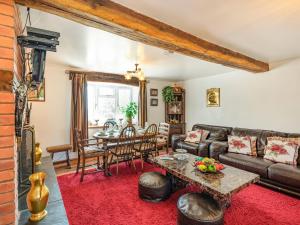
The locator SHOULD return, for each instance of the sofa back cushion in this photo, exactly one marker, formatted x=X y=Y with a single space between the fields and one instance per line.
x=216 y=133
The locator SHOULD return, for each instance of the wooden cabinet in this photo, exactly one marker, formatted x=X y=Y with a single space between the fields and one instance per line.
x=175 y=113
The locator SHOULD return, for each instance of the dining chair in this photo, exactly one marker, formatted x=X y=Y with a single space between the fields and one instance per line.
x=109 y=125
x=163 y=136
x=124 y=151
x=148 y=144
x=88 y=150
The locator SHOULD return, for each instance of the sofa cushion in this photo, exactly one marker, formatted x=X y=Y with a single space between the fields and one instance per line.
x=249 y=132
x=286 y=174
x=295 y=135
x=282 y=150
x=253 y=164
x=190 y=147
x=241 y=145
x=263 y=140
x=217 y=133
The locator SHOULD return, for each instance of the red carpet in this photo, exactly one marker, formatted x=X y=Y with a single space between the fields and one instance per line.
x=114 y=201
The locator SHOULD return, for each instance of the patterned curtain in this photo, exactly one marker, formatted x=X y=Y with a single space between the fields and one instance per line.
x=142 y=103
x=79 y=107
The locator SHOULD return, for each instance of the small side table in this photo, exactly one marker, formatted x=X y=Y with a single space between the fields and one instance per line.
x=61 y=148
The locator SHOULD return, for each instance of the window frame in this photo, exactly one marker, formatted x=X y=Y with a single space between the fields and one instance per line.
x=116 y=91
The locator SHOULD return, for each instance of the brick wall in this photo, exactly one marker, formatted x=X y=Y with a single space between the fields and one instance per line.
x=10 y=67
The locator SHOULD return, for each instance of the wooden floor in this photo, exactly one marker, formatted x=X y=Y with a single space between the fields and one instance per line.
x=61 y=168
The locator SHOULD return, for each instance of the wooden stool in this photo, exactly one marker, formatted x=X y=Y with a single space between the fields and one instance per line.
x=61 y=148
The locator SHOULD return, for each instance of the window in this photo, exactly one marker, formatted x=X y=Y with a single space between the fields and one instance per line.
x=106 y=99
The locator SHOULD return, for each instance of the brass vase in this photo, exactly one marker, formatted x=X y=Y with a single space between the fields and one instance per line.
x=37 y=197
x=38 y=154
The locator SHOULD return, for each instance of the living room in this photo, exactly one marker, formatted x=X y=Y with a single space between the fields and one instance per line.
x=190 y=107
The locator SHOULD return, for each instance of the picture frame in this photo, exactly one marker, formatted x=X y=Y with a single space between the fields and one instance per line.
x=37 y=95
x=153 y=102
x=213 y=97
x=153 y=92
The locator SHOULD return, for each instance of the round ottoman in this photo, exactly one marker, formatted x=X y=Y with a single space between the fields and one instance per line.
x=154 y=187
x=198 y=209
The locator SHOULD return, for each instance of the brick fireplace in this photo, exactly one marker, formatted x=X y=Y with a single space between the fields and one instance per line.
x=10 y=68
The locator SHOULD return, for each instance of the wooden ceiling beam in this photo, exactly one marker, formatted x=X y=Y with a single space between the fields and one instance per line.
x=115 y=18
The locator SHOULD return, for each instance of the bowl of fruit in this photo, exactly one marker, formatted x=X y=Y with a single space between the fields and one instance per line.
x=208 y=165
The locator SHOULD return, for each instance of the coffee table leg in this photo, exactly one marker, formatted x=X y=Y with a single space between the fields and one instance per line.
x=176 y=182
x=224 y=202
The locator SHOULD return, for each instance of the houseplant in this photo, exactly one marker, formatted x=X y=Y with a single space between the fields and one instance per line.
x=129 y=111
x=168 y=94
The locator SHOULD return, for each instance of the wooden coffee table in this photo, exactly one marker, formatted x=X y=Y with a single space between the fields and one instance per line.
x=221 y=186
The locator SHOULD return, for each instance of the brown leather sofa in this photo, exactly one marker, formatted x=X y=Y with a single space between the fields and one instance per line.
x=275 y=175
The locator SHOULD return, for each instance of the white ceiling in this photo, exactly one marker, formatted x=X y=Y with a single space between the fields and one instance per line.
x=263 y=29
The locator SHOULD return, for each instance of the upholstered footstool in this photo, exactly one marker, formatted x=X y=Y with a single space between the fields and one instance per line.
x=198 y=209
x=154 y=186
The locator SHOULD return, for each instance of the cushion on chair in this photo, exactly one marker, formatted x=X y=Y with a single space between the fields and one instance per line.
x=198 y=209
x=59 y=148
x=286 y=174
x=154 y=186
x=252 y=164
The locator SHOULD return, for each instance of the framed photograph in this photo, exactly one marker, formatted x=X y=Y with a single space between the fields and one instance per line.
x=154 y=102
x=213 y=97
x=37 y=95
x=153 y=92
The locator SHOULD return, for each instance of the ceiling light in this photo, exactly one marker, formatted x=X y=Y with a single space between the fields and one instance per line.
x=135 y=73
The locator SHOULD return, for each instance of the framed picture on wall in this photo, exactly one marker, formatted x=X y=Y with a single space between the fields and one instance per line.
x=213 y=97
x=37 y=95
x=153 y=92
x=154 y=102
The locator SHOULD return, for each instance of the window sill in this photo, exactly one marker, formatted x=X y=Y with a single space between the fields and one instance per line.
x=95 y=126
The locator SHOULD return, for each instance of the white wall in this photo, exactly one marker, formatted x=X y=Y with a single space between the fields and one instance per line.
x=268 y=100
x=156 y=114
x=52 y=117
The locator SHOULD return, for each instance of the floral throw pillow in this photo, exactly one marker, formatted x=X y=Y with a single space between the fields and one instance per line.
x=241 y=145
x=281 y=151
x=196 y=136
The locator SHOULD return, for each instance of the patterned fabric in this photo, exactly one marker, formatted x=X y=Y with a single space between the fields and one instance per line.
x=241 y=145
x=253 y=140
x=196 y=136
x=282 y=150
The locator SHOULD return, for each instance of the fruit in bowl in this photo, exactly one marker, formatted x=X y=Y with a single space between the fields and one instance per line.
x=208 y=165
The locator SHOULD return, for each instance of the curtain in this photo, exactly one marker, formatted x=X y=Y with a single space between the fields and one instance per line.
x=142 y=103
x=79 y=107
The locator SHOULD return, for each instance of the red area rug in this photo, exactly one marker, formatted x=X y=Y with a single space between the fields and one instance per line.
x=114 y=201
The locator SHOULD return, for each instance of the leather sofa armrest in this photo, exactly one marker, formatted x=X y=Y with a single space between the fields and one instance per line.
x=176 y=138
x=216 y=148
x=203 y=149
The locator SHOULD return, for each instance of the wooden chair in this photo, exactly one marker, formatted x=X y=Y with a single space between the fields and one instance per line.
x=148 y=144
x=124 y=151
x=163 y=136
x=108 y=125
x=87 y=150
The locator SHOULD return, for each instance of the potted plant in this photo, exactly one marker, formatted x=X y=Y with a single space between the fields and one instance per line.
x=168 y=94
x=129 y=111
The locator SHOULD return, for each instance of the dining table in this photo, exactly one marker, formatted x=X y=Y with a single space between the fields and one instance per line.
x=109 y=140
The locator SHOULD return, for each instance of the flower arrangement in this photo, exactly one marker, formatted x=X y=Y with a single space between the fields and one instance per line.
x=207 y=165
